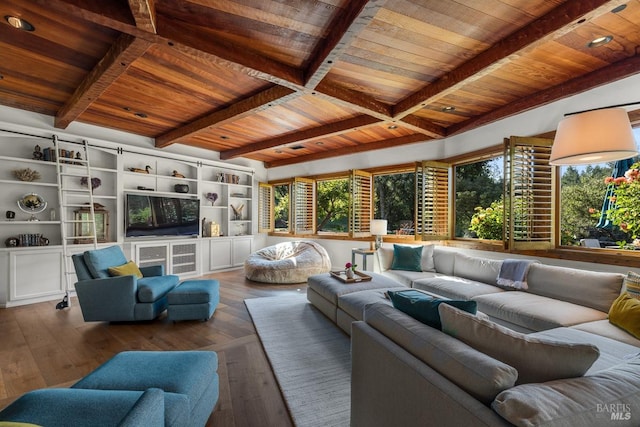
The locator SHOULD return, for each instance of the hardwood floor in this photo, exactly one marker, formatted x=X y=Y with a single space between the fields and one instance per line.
x=44 y=347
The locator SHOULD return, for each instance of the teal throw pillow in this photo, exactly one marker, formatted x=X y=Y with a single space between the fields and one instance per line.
x=407 y=258
x=424 y=308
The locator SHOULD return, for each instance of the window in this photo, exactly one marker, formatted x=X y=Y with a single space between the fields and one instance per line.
x=432 y=201
x=361 y=203
x=529 y=194
x=394 y=200
x=332 y=206
x=281 y=193
x=303 y=206
x=478 y=199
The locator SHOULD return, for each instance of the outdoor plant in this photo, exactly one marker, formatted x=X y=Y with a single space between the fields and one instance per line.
x=487 y=222
x=625 y=208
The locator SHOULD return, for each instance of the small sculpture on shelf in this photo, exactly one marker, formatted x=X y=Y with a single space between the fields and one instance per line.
x=177 y=174
x=78 y=158
x=95 y=182
x=237 y=212
x=212 y=197
x=147 y=170
x=26 y=174
x=37 y=153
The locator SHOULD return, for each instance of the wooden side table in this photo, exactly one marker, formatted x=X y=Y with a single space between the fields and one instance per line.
x=364 y=252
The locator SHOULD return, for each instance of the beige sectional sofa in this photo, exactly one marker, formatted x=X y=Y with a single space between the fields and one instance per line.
x=407 y=373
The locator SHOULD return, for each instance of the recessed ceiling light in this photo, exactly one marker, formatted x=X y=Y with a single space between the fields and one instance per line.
x=297 y=147
x=600 y=41
x=319 y=143
x=448 y=109
x=126 y=108
x=141 y=115
x=392 y=127
x=19 y=23
x=619 y=8
x=278 y=151
x=224 y=137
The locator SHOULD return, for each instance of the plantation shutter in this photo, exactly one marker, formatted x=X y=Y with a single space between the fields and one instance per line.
x=432 y=201
x=529 y=193
x=361 y=203
x=265 y=208
x=303 y=206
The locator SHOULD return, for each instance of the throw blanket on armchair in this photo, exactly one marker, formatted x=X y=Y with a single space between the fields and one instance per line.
x=513 y=273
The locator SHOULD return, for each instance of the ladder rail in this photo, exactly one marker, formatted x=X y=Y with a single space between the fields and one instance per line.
x=68 y=199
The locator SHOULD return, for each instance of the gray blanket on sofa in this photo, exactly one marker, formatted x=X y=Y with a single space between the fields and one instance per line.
x=513 y=273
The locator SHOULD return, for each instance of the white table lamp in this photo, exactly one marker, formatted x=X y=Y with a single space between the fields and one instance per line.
x=378 y=228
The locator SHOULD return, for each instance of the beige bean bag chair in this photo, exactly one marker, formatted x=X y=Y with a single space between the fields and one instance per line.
x=287 y=262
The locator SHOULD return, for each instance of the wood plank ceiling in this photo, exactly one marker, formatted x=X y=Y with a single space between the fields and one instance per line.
x=291 y=81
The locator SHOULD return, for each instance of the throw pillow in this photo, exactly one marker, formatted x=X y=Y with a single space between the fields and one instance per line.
x=625 y=313
x=407 y=258
x=535 y=359
x=632 y=284
x=424 y=308
x=127 y=269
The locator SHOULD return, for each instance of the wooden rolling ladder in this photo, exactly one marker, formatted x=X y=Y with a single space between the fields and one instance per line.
x=71 y=170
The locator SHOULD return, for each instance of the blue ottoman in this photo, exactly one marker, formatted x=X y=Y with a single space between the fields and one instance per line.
x=193 y=300
x=189 y=380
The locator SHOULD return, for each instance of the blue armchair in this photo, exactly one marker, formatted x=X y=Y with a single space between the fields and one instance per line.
x=119 y=298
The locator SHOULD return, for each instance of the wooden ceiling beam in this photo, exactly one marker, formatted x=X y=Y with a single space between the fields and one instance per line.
x=616 y=71
x=378 y=145
x=120 y=56
x=256 y=103
x=551 y=26
x=343 y=31
x=144 y=13
x=357 y=101
x=420 y=125
x=319 y=132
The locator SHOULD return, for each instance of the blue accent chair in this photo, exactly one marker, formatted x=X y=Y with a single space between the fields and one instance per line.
x=132 y=389
x=119 y=298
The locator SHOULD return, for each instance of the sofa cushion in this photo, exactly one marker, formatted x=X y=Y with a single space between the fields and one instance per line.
x=408 y=278
x=127 y=269
x=152 y=288
x=612 y=352
x=455 y=287
x=631 y=284
x=478 y=374
x=331 y=288
x=443 y=260
x=625 y=313
x=355 y=303
x=475 y=268
x=604 y=328
x=98 y=261
x=535 y=312
x=609 y=397
x=424 y=307
x=589 y=288
x=535 y=359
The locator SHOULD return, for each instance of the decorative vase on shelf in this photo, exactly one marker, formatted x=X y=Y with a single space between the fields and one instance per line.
x=349 y=272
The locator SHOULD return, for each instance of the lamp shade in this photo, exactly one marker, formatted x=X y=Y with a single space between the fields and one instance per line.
x=593 y=137
x=378 y=227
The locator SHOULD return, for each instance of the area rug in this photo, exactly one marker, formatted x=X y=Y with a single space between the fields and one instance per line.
x=310 y=357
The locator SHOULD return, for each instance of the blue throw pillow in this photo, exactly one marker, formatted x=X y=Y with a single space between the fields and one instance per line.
x=407 y=258
x=424 y=308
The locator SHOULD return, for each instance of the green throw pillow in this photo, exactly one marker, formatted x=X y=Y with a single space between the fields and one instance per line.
x=407 y=258
x=424 y=308
x=127 y=269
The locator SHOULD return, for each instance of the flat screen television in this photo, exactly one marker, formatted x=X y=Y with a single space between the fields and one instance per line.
x=151 y=215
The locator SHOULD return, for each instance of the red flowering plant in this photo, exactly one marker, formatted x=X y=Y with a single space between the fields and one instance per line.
x=348 y=266
x=625 y=202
